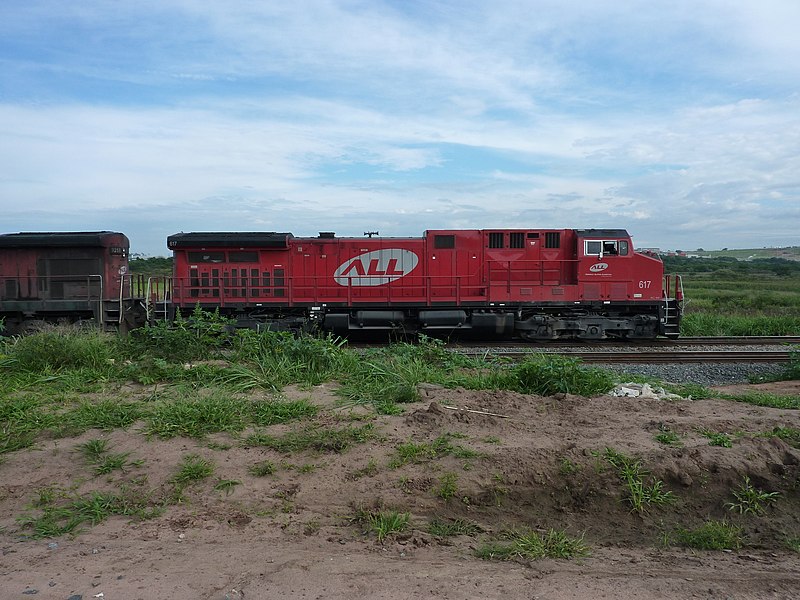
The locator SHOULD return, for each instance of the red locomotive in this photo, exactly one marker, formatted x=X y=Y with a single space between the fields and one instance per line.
x=538 y=284
x=535 y=284
x=62 y=277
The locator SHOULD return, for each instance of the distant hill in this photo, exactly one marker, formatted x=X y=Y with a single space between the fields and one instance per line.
x=788 y=253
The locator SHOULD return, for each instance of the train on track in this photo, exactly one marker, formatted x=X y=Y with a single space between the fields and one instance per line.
x=534 y=284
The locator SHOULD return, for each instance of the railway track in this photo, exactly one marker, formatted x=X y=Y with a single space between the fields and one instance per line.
x=785 y=340
x=668 y=356
x=700 y=356
x=686 y=350
x=754 y=340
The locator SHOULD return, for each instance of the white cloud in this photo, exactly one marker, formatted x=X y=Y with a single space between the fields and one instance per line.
x=679 y=120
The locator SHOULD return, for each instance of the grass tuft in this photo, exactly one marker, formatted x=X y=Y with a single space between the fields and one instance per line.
x=198 y=416
x=633 y=474
x=717 y=438
x=549 y=374
x=533 y=545
x=412 y=452
x=317 y=438
x=667 y=437
x=711 y=535
x=452 y=527
x=751 y=500
x=382 y=523
x=193 y=468
x=262 y=469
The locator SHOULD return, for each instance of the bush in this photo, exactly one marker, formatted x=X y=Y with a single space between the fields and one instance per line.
x=548 y=374
x=197 y=337
x=273 y=359
x=711 y=535
x=61 y=349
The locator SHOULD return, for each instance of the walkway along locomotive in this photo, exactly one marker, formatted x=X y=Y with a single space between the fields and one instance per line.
x=534 y=284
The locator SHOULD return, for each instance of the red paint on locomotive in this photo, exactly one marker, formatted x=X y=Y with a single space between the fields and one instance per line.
x=539 y=283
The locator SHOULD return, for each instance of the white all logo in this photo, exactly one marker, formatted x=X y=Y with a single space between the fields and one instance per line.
x=596 y=268
x=378 y=267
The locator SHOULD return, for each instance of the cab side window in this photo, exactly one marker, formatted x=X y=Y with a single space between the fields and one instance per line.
x=593 y=248
x=606 y=248
x=610 y=248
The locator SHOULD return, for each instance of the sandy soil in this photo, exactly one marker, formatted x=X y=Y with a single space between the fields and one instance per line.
x=292 y=534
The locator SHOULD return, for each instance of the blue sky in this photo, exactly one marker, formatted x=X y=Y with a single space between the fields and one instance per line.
x=679 y=120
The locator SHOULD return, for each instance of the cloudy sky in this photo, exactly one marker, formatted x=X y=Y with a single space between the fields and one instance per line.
x=678 y=120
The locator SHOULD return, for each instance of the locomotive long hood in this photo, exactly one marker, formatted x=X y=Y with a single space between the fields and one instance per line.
x=250 y=239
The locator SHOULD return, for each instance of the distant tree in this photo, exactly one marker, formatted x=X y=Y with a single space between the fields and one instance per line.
x=155 y=265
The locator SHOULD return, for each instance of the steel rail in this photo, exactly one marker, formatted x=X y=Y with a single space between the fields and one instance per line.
x=657 y=343
x=686 y=356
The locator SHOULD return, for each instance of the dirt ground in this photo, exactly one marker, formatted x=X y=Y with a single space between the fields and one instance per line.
x=293 y=534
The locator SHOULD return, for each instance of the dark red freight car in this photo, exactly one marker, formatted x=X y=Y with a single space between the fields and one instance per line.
x=61 y=277
x=538 y=284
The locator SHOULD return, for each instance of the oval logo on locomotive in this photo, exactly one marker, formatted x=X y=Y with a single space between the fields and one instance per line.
x=378 y=267
x=598 y=267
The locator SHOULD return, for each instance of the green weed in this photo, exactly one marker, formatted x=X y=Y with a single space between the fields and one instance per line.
x=193 y=468
x=750 y=500
x=533 y=545
x=412 y=452
x=452 y=527
x=272 y=412
x=765 y=399
x=633 y=474
x=566 y=467
x=320 y=439
x=262 y=469
x=448 y=486
x=705 y=324
x=667 y=437
x=790 y=435
x=226 y=485
x=382 y=523
x=370 y=470
x=111 y=462
x=197 y=337
x=93 y=508
x=272 y=360
x=695 y=391
x=717 y=438
x=711 y=535
x=62 y=349
x=104 y=414
x=21 y=420
x=93 y=450
x=549 y=374
x=198 y=416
